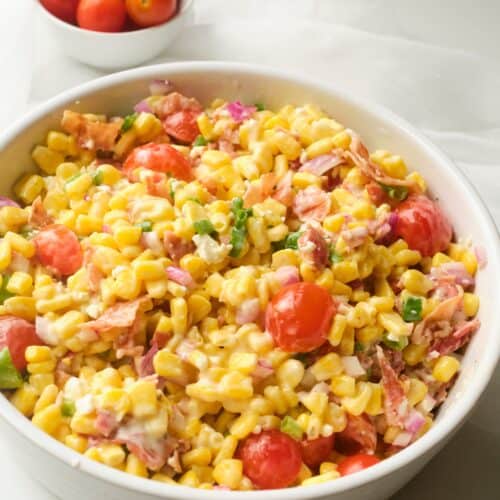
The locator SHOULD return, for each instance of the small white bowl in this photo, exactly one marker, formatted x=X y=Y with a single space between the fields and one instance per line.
x=113 y=51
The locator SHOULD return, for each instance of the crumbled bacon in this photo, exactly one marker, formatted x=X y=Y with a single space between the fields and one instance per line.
x=175 y=246
x=145 y=365
x=311 y=203
x=284 y=192
x=39 y=217
x=324 y=163
x=259 y=190
x=91 y=134
x=156 y=184
x=395 y=403
x=174 y=102
x=359 y=436
x=106 y=423
x=456 y=340
x=313 y=247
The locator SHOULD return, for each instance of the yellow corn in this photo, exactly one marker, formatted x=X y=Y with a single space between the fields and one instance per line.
x=445 y=368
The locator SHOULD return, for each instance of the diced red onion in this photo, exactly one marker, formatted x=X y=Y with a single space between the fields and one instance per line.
x=402 y=439
x=427 y=404
x=248 y=311
x=143 y=107
x=45 y=332
x=7 y=202
x=414 y=422
x=152 y=241
x=287 y=275
x=482 y=258
x=454 y=270
x=179 y=276
x=263 y=369
x=322 y=164
x=160 y=87
x=352 y=366
x=239 y=112
x=393 y=220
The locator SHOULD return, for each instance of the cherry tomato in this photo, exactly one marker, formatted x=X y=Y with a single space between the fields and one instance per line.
x=182 y=125
x=422 y=224
x=271 y=459
x=355 y=463
x=63 y=9
x=300 y=316
x=58 y=247
x=161 y=158
x=150 y=12
x=101 y=15
x=316 y=451
x=17 y=334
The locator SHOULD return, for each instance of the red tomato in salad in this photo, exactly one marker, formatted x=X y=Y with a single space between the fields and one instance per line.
x=355 y=463
x=316 y=451
x=160 y=158
x=423 y=225
x=182 y=125
x=62 y=9
x=271 y=459
x=146 y=13
x=101 y=15
x=58 y=247
x=300 y=316
x=17 y=335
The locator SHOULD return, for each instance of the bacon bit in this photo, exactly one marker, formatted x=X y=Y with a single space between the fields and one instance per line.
x=355 y=237
x=284 y=192
x=311 y=203
x=174 y=102
x=122 y=315
x=226 y=146
x=457 y=339
x=89 y=134
x=359 y=436
x=63 y=372
x=145 y=366
x=154 y=457
x=377 y=195
x=443 y=312
x=106 y=423
x=322 y=164
x=263 y=370
x=286 y=275
x=94 y=275
x=180 y=276
x=156 y=184
x=395 y=403
x=259 y=190
x=160 y=338
x=452 y=272
x=313 y=248
x=175 y=246
x=481 y=256
x=39 y=217
x=358 y=154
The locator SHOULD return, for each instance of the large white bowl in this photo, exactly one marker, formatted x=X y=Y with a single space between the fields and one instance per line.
x=72 y=476
x=117 y=50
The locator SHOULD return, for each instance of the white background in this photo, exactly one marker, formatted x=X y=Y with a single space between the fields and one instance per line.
x=435 y=62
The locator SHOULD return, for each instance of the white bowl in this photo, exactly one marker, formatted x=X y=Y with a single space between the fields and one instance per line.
x=114 y=51
x=70 y=475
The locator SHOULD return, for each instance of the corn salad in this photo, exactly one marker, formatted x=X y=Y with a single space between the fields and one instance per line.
x=184 y=287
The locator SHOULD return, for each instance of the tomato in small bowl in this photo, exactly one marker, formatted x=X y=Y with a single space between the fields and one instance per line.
x=115 y=34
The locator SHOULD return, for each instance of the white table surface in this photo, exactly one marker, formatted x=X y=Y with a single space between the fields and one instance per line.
x=435 y=63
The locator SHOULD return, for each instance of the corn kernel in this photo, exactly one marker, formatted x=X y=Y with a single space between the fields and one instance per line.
x=445 y=368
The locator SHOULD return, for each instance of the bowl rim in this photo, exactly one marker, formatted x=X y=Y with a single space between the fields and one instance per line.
x=436 y=435
x=185 y=7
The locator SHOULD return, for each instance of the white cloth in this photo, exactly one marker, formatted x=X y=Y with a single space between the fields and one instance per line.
x=435 y=63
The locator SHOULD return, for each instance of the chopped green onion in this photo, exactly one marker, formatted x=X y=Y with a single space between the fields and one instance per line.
x=26 y=232
x=171 y=190
x=146 y=226
x=395 y=345
x=128 y=121
x=73 y=177
x=292 y=240
x=204 y=226
x=239 y=231
x=238 y=237
x=291 y=427
x=196 y=200
x=200 y=141
x=412 y=309
x=399 y=193
x=4 y=293
x=259 y=106
x=98 y=178
x=10 y=378
x=359 y=347
x=334 y=257
x=68 y=408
